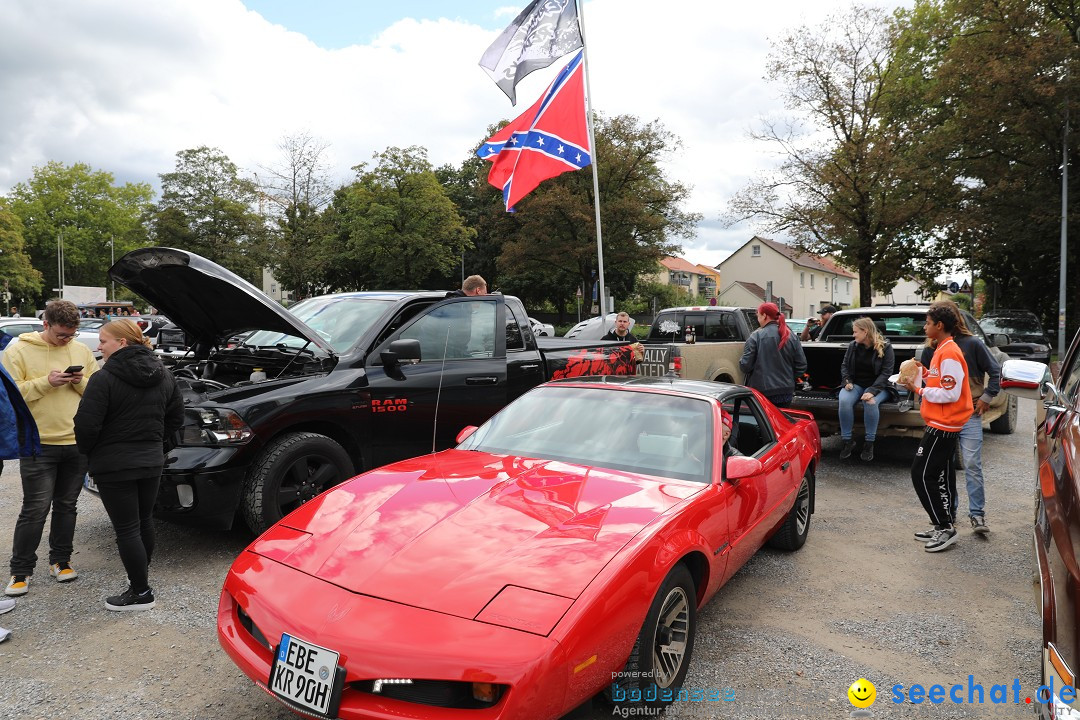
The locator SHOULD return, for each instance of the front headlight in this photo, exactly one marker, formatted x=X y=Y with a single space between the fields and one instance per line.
x=214 y=426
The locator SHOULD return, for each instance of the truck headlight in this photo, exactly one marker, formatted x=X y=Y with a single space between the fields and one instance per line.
x=214 y=426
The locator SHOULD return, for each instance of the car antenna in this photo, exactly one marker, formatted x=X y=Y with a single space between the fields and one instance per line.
x=438 y=394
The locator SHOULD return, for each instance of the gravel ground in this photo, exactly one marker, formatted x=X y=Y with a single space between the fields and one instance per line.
x=784 y=639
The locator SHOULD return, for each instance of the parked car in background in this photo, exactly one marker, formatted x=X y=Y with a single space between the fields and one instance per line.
x=1027 y=339
x=551 y=558
x=14 y=327
x=594 y=328
x=797 y=324
x=541 y=329
x=1057 y=517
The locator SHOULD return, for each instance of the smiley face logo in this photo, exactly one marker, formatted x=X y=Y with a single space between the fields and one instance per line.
x=862 y=693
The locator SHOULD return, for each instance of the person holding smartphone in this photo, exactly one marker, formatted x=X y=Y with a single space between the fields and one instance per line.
x=50 y=370
x=125 y=424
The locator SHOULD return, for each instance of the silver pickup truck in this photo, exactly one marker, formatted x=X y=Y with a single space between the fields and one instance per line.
x=903 y=327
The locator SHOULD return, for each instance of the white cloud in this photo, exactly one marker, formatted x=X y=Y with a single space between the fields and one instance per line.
x=125 y=84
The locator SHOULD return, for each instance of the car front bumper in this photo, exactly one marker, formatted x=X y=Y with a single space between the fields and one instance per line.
x=381 y=639
x=202 y=485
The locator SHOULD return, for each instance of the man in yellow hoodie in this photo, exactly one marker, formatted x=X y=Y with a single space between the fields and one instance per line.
x=50 y=370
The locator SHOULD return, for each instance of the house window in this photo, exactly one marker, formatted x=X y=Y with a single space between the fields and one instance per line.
x=755 y=250
x=802 y=279
x=811 y=280
x=848 y=283
x=273 y=288
x=812 y=311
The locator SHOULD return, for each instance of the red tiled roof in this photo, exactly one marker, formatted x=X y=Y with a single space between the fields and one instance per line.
x=679 y=265
x=805 y=259
x=759 y=292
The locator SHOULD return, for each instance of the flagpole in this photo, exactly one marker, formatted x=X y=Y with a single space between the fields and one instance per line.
x=592 y=145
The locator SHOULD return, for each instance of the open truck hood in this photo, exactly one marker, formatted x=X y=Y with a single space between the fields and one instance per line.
x=209 y=302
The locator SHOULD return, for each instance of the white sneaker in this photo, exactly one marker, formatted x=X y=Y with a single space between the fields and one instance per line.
x=18 y=585
x=6 y=605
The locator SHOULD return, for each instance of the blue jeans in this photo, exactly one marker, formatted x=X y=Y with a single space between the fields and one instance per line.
x=52 y=479
x=871 y=411
x=971 y=438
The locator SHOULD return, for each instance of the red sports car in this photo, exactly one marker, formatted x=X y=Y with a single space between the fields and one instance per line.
x=560 y=551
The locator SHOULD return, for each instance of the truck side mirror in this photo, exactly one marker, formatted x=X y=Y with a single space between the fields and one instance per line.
x=401 y=351
x=999 y=340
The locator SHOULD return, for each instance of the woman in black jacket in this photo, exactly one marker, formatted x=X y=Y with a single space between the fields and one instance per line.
x=124 y=425
x=865 y=372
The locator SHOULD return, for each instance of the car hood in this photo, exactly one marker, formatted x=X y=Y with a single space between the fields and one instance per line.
x=209 y=302
x=448 y=532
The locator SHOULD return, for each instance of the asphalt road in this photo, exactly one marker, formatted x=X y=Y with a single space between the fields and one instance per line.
x=784 y=639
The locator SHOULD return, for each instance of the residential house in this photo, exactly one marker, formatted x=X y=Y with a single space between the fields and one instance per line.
x=805 y=281
x=694 y=279
x=747 y=294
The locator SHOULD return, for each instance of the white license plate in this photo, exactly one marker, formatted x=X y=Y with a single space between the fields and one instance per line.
x=89 y=484
x=306 y=675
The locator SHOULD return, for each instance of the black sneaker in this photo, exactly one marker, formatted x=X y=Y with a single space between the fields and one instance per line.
x=978 y=525
x=130 y=600
x=849 y=447
x=943 y=538
x=868 y=450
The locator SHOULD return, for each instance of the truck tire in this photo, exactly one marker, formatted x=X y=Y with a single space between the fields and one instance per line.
x=1006 y=424
x=291 y=470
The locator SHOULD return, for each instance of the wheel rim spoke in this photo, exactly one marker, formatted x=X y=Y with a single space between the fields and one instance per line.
x=668 y=656
x=324 y=475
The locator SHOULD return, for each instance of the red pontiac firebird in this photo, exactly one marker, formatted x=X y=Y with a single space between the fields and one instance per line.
x=559 y=552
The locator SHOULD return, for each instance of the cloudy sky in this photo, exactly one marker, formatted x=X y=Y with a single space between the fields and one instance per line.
x=123 y=85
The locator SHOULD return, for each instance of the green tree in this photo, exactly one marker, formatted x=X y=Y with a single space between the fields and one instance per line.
x=207 y=207
x=81 y=212
x=21 y=280
x=852 y=181
x=995 y=79
x=395 y=226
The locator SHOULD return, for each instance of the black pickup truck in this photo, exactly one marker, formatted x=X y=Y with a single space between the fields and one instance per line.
x=903 y=327
x=336 y=385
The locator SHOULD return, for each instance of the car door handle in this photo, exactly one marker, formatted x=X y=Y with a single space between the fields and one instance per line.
x=482 y=381
x=529 y=366
x=785 y=466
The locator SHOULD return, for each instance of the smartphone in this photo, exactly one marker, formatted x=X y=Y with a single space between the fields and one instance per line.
x=73 y=369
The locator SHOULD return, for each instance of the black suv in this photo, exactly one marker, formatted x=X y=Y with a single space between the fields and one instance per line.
x=1027 y=339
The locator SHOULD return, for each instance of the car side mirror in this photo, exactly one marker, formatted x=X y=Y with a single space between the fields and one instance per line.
x=738 y=467
x=465 y=433
x=1028 y=379
x=999 y=340
x=405 y=352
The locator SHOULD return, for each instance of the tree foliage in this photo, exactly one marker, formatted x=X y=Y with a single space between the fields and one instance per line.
x=81 y=212
x=394 y=226
x=20 y=277
x=995 y=78
x=852 y=181
x=207 y=207
x=297 y=190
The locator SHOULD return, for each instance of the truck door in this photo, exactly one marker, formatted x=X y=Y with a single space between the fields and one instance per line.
x=460 y=379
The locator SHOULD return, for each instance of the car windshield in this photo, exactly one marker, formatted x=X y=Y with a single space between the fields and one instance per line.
x=339 y=320
x=1012 y=325
x=652 y=433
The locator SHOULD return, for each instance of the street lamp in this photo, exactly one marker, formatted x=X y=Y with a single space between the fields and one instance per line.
x=112 y=261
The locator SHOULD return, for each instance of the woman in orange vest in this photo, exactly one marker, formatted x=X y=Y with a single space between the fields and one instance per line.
x=946 y=406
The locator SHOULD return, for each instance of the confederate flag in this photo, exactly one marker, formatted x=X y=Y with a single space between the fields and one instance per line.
x=548 y=139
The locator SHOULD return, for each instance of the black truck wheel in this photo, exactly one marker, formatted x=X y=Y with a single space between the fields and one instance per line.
x=1006 y=424
x=291 y=470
